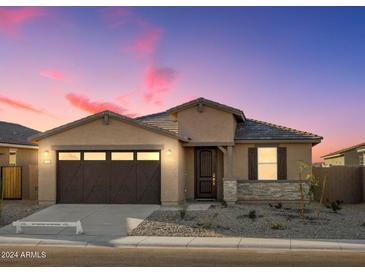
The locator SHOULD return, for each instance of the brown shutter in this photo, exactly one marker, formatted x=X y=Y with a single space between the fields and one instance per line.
x=252 y=163
x=282 y=163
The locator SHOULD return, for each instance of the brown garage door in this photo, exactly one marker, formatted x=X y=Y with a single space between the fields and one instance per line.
x=116 y=177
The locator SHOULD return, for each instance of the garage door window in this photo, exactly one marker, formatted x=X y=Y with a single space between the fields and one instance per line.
x=94 y=156
x=122 y=156
x=69 y=156
x=148 y=156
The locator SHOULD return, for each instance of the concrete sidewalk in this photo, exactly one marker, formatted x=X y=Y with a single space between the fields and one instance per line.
x=183 y=242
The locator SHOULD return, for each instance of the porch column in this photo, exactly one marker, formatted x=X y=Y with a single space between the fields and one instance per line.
x=229 y=183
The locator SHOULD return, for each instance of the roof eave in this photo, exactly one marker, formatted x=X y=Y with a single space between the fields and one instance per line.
x=250 y=141
x=238 y=113
x=330 y=156
x=35 y=138
x=18 y=145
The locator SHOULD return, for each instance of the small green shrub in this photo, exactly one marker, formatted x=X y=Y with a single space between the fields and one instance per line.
x=252 y=214
x=277 y=226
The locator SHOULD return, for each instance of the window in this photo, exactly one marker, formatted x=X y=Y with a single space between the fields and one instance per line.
x=361 y=159
x=122 y=156
x=267 y=167
x=12 y=157
x=95 y=156
x=148 y=156
x=69 y=156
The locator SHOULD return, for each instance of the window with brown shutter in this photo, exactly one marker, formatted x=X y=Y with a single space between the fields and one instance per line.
x=252 y=163
x=282 y=163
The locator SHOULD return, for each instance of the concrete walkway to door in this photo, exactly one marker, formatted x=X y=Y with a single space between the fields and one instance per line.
x=97 y=220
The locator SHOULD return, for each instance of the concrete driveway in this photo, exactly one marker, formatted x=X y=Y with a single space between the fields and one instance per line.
x=97 y=220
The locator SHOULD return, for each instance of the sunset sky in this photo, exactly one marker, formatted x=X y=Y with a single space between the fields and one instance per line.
x=299 y=67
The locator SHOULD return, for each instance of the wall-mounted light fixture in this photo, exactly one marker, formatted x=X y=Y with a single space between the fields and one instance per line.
x=169 y=152
x=46 y=157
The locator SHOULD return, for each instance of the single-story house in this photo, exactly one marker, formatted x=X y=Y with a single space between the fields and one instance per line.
x=200 y=150
x=18 y=161
x=350 y=156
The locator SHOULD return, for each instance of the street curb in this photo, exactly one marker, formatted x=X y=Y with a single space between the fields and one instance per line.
x=187 y=243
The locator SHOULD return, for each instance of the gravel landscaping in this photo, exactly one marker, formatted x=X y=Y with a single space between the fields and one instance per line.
x=268 y=221
x=13 y=210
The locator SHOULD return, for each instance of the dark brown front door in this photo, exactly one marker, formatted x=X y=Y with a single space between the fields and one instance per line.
x=206 y=172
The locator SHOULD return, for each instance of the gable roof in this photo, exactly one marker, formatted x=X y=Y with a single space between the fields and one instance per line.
x=343 y=150
x=100 y=115
x=237 y=112
x=164 y=123
x=16 y=134
x=252 y=129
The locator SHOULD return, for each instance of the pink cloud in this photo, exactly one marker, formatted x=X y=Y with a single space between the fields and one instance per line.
x=52 y=74
x=12 y=18
x=20 y=105
x=125 y=99
x=116 y=16
x=158 y=80
x=146 y=44
x=92 y=107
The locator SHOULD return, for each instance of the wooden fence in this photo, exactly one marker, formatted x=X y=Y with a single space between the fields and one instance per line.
x=11 y=177
x=343 y=183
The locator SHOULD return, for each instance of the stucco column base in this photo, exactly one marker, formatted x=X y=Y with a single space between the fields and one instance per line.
x=172 y=203
x=46 y=203
x=230 y=191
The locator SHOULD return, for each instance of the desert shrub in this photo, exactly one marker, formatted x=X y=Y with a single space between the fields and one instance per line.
x=206 y=224
x=182 y=213
x=279 y=205
x=277 y=226
x=335 y=206
x=252 y=214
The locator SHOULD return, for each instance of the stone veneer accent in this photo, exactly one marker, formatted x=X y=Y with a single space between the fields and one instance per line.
x=230 y=191
x=271 y=190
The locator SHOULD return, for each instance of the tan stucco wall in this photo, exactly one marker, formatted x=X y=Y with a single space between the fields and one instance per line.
x=24 y=158
x=336 y=161
x=211 y=125
x=295 y=154
x=116 y=133
x=190 y=172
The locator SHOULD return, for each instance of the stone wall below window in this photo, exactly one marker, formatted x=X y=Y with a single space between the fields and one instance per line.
x=271 y=190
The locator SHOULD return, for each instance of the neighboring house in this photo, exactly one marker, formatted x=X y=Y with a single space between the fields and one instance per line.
x=351 y=156
x=200 y=150
x=16 y=150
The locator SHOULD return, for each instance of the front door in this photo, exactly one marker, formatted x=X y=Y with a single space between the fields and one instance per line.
x=206 y=172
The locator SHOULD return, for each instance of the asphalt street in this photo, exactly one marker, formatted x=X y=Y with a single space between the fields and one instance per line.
x=108 y=256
